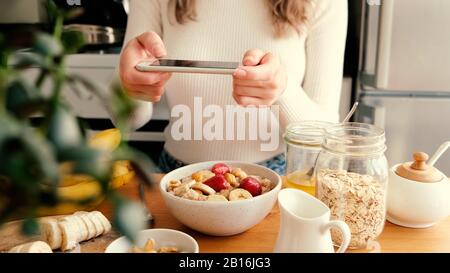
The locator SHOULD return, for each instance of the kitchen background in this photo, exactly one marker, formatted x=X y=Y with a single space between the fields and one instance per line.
x=397 y=65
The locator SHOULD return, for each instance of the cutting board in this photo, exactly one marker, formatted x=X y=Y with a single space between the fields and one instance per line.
x=10 y=236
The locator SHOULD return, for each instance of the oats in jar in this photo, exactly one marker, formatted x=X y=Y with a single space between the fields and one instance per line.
x=357 y=199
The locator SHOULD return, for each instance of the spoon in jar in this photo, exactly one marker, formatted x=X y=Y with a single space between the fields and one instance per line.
x=352 y=111
x=346 y=119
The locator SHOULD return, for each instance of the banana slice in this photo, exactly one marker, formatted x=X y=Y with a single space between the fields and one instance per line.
x=97 y=223
x=33 y=247
x=88 y=223
x=239 y=194
x=83 y=232
x=203 y=188
x=216 y=197
x=50 y=232
x=16 y=249
x=76 y=224
x=70 y=233
x=105 y=222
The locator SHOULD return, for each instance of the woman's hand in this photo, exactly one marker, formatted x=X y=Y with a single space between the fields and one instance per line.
x=147 y=86
x=261 y=80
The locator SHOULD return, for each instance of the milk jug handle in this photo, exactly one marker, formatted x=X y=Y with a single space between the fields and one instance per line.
x=345 y=231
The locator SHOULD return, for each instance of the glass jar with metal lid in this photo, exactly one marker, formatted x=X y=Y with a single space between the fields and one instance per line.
x=351 y=176
x=303 y=145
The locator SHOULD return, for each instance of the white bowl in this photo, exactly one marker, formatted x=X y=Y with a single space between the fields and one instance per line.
x=162 y=237
x=416 y=204
x=221 y=218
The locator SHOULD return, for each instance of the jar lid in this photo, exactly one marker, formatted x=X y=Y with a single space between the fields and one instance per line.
x=308 y=132
x=418 y=170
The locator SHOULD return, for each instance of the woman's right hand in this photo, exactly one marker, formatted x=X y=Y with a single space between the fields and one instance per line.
x=147 y=86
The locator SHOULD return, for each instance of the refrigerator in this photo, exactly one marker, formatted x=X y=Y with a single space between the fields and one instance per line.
x=403 y=83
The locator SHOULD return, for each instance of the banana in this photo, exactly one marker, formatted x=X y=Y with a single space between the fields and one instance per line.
x=76 y=187
x=203 y=188
x=70 y=233
x=122 y=174
x=105 y=222
x=83 y=232
x=16 y=249
x=202 y=175
x=107 y=140
x=80 y=192
x=67 y=208
x=88 y=223
x=216 y=197
x=51 y=233
x=99 y=229
x=33 y=247
x=239 y=194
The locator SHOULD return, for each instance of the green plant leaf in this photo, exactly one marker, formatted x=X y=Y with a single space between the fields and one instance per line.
x=120 y=107
x=63 y=128
x=129 y=217
x=23 y=99
x=28 y=160
x=47 y=45
x=52 y=10
x=72 y=41
x=30 y=226
x=9 y=127
x=26 y=60
x=88 y=161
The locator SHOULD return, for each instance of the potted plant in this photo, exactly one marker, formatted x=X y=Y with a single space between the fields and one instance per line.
x=32 y=156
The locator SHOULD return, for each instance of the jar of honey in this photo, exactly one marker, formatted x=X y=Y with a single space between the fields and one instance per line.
x=303 y=145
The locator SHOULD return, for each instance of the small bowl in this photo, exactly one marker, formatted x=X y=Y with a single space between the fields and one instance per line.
x=221 y=218
x=162 y=237
x=416 y=204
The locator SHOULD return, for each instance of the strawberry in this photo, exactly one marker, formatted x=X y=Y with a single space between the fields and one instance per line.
x=252 y=185
x=217 y=182
x=220 y=168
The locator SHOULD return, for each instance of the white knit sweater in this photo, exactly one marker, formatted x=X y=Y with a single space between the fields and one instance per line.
x=224 y=31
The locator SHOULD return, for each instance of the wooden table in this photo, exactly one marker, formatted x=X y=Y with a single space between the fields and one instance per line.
x=262 y=237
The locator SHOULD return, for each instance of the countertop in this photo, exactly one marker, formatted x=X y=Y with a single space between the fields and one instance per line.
x=262 y=237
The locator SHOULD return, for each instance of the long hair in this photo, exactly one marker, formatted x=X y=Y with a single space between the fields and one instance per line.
x=286 y=15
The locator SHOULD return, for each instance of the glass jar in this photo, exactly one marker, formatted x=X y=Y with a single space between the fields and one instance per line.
x=303 y=145
x=352 y=175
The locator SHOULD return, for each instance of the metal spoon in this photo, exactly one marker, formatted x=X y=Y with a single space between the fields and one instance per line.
x=352 y=111
x=346 y=119
x=438 y=153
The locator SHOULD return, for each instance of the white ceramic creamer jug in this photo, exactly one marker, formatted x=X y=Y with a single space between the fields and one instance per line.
x=305 y=225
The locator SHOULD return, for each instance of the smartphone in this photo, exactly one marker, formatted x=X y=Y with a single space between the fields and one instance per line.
x=188 y=66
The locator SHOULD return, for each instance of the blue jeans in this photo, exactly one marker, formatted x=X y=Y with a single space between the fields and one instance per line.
x=168 y=163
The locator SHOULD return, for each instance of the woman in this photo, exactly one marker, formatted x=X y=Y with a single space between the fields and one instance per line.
x=291 y=52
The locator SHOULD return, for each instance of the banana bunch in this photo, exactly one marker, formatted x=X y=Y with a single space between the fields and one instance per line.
x=82 y=187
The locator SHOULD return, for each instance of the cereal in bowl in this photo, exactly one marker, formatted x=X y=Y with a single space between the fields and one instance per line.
x=221 y=183
x=150 y=247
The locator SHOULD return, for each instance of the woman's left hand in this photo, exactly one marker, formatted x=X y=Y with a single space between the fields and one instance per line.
x=260 y=81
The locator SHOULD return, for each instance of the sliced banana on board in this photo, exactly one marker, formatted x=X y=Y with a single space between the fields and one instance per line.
x=33 y=247
x=216 y=197
x=51 y=233
x=104 y=221
x=203 y=188
x=70 y=233
x=83 y=235
x=239 y=194
x=97 y=224
x=88 y=223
